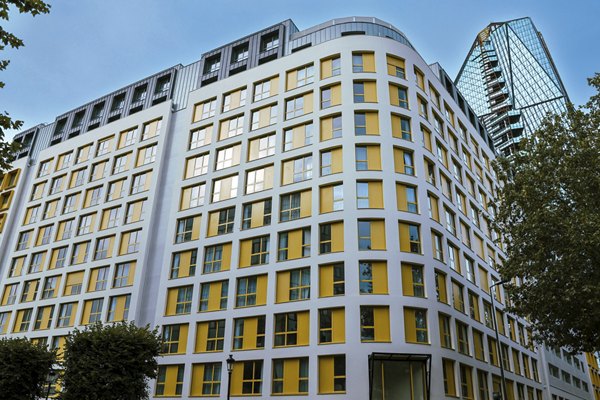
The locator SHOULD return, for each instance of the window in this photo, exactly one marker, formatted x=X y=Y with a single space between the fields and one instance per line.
x=213 y=296
x=410 y=238
x=249 y=333
x=261 y=147
x=57 y=184
x=98 y=279
x=415 y=325
x=30 y=290
x=206 y=379
x=299 y=105
x=169 y=380
x=263 y=117
x=121 y=163
x=200 y=137
x=466 y=382
x=401 y=127
x=179 y=300
x=110 y=218
x=80 y=253
x=332 y=325
x=437 y=248
x=462 y=334
x=266 y=88
x=422 y=107
x=331 y=96
x=254 y=251
x=256 y=214
x=366 y=123
x=474 y=306
x=221 y=222
x=365 y=92
x=458 y=300
x=77 y=178
x=440 y=287
x=406 y=197
x=135 y=211
x=188 y=229
x=445 y=335
x=331 y=237
x=225 y=188
x=331 y=161
x=300 y=77
x=449 y=377
x=118 y=309
x=196 y=166
x=403 y=161
x=374 y=324
x=290 y=376
x=259 y=179
x=35 y=264
x=413 y=283
x=141 y=182
x=116 y=190
x=104 y=146
x=231 y=127
x=395 y=67
x=371 y=235
x=49 y=290
x=331 y=280
x=373 y=277
x=124 y=274
x=297 y=170
x=330 y=66
x=151 y=129
x=246 y=378
x=66 y=315
x=331 y=198
x=93 y=197
x=294 y=244
x=236 y=98
x=127 y=137
x=146 y=155
x=43 y=319
x=368 y=158
x=210 y=336
x=44 y=168
x=363 y=62
x=297 y=136
x=92 y=311
x=291 y=329
x=331 y=127
x=192 y=196
x=251 y=291
x=332 y=374
x=174 y=338
x=217 y=258
x=205 y=110
x=227 y=157
x=184 y=264
x=23 y=320
x=398 y=96
x=24 y=239
x=104 y=247
x=291 y=206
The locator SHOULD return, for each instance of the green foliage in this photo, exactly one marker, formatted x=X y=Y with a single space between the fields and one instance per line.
x=549 y=211
x=111 y=362
x=33 y=7
x=24 y=368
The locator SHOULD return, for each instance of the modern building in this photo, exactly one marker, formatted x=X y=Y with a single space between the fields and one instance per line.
x=315 y=203
x=511 y=82
x=593 y=362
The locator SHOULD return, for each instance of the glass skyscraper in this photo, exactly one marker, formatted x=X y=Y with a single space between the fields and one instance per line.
x=511 y=82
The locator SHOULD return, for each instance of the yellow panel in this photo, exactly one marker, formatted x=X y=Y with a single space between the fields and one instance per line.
x=171 y=301
x=196 y=228
x=283 y=286
x=370 y=92
x=291 y=80
x=250 y=331
x=410 y=329
x=368 y=62
x=373 y=158
x=372 y=122
x=308 y=103
x=305 y=203
x=401 y=197
x=201 y=337
x=295 y=244
x=326 y=199
x=261 y=289
x=326 y=374
x=291 y=374
x=197 y=380
x=336 y=95
x=337 y=237
x=326 y=280
x=303 y=328
x=237 y=376
x=245 y=253
x=338 y=323
x=226 y=258
x=288 y=172
x=326 y=128
x=336 y=160
x=214 y=296
x=381 y=315
x=380 y=279
x=326 y=68
x=407 y=280
x=213 y=222
x=378 y=235
x=404 y=237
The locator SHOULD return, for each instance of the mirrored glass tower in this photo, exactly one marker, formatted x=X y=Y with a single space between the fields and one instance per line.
x=511 y=82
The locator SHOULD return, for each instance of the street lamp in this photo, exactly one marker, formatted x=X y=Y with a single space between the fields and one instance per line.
x=498 y=347
x=230 y=362
x=51 y=377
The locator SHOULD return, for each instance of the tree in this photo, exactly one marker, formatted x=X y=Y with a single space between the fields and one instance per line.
x=112 y=362
x=24 y=368
x=549 y=213
x=33 y=7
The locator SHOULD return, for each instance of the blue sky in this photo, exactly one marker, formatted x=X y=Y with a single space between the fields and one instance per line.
x=85 y=49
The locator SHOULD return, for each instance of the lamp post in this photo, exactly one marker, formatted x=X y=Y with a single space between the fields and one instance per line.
x=51 y=377
x=230 y=362
x=498 y=347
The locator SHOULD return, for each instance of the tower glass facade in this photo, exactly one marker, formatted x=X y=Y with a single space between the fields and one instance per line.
x=511 y=82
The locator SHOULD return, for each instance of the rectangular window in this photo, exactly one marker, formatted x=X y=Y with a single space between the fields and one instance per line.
x=210 y=336
x=415 y=325
x=398 y=95
x=49 y=289
x=256 y=214
x=291 y=329
x=462 y=335
x=332 y=325
x=228 y=157
x=200 y=137
x=331 y=96
x=124 y=274
x=331 y=127
x=196 y=166
x=401 y=127
x=458 y=300
x=297 y=170
x=259 y=179
x=192 y=196
x=146 y=155
x=206 y=379
x=98 y=279
x=297 y=136
x=300 y=77
x=371 y=235
x=135 y=211
x=267 y=88
x=331 y=280
x=92 y=311
x=331 y=198
x=127 y=137
x=449 y=377
x=406 y=198
x=330 y=66
x=413 y=283
x=221 y=222
x=246 y=378
x=403 y=161
x=290 y=376
x=374 y=324
x=231 y=127
x=363 y=62
x=249 y=333
x=130 y=242
x=261 y=147
x=169 y=380
x=293 y=285
x=179 y=300
x=188 y=229
x=263 y=117
x=225 y=188
x=217 y=258
x=234 y=99
x=332 y=374
x=364 y=91
x=331 y=237
x=66 y=315
x=373 y=277
x=174 y=339
x=151 y=129
x=368 y=158
x=183 y=264
x=366 y=123
x=104 y=247
x=251 y=291
x=299 y=105
x=445 y=335
x=141 y=182
x=410 y=238
x=293 y=244
x=118 y=309
x=205 y=110
x=213 y=296
x=395 y=66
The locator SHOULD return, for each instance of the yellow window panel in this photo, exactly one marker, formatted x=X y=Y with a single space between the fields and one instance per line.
x=73 y=283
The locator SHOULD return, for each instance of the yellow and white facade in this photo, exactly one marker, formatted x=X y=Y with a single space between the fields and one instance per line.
x=324 y=217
